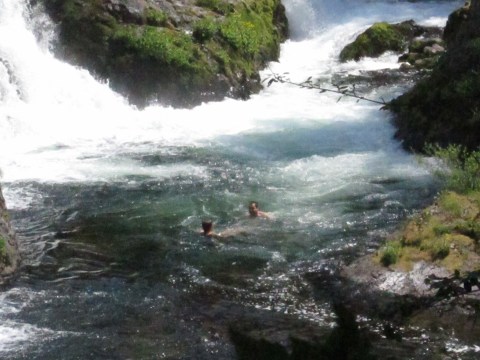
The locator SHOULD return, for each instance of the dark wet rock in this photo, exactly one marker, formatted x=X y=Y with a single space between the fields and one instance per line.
x=366 y=81
x=178 y=53
x=443 y=107
x=266 y=335
x=455 y=21
x=9 y=255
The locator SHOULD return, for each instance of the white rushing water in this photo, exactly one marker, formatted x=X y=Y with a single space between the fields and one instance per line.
x=59 y=125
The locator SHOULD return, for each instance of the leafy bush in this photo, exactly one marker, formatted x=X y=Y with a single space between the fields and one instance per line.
x=242 y=35
x=155 y=17
x=462 y=167
x=4 y=260
x=2 y=246
x=219 y=6
x=204 y=29
x=167 y=46
x=439 y=248
x=390 y=253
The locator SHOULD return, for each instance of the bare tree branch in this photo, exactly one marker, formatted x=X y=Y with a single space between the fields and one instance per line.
x=343 y=90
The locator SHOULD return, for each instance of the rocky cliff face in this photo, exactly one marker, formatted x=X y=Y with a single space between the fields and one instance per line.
x=176 y=53
x=9 y=257
x=444 y=108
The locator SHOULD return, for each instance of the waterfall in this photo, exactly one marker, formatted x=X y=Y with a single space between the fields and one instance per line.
x=84 y=172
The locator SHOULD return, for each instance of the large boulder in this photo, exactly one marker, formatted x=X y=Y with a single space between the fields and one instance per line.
x=381 y=37
x=9 y=256
x=178 y=53
x=444 y=108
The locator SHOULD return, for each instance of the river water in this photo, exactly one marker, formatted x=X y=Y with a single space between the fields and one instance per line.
x=107 y=199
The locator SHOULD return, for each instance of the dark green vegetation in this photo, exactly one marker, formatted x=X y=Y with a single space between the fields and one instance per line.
x=444 y=108
x=178 y=55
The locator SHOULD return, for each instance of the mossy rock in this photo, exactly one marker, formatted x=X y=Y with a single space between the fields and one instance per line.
x=379 y=38
x=447 y=233
x=172 y=54
x=9 y=256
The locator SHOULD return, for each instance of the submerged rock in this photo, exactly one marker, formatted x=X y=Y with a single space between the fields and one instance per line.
x=178 y=53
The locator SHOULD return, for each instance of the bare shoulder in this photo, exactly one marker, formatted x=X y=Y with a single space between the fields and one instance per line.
x=234 y=231
x=264 y=215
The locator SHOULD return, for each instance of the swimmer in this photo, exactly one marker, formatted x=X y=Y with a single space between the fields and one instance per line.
x=207 y=226
x=254 y=211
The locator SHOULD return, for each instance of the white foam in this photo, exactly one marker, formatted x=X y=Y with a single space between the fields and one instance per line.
x=59 y=124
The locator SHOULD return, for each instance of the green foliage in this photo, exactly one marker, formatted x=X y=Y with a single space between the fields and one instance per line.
x=144 y=58
x=241 y=34
x=470 y=228
x=219 y=6
x=390 y=253
x=438 y=248
x=162 y=45
x=155 y=17
x=205 y=29
x=440 y=230
x=4 y=258
x=462 y=172
x=3 y=247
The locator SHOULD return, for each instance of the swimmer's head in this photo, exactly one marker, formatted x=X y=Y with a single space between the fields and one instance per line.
x=253 y=208
x=207 y=226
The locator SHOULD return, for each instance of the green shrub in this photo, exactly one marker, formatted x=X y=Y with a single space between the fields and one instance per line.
x=204 y=30
x=469 y=228
x=439 y=249
x=3 y=251
x=241 y=34
x=2 y=246
x=390 y=253
x=164 y=45
x=219 y=6
x=155 y=17
x=440 y=230
x=462 y=173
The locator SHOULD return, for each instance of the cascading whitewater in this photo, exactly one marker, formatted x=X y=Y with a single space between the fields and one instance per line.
x=77 y=112
x=85 y=173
